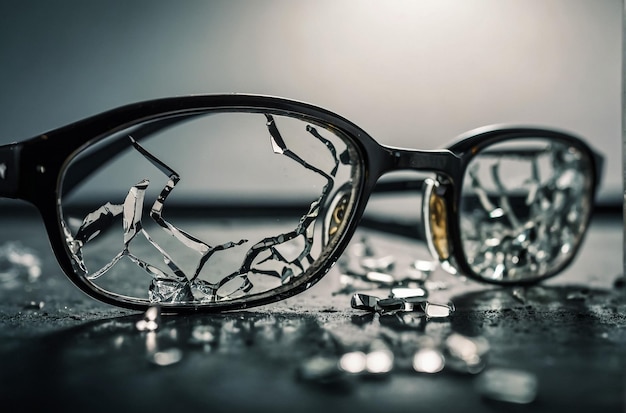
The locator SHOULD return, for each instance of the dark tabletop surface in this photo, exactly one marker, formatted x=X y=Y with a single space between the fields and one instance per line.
x=62 y=351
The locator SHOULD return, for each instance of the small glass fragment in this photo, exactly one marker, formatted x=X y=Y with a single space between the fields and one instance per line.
x=150 y=321
x=577 y=295
x=382 y=264
x=508 y=385
x=425 y=266
x=354 y=362
x=390 y=305
x=403 y=292
x=34 y=305
x=428 y=360
x=166 y=357
x=437 y=310
x=519 y=293
x=379 y=277
x=364 y=302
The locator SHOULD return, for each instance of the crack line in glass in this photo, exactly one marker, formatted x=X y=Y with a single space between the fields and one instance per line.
x=177 y=286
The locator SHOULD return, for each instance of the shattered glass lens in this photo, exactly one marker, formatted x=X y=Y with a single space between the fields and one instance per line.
x=524 y=208
x=208 y=208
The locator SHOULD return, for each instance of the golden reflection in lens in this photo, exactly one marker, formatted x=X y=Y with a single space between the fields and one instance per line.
x=338 y=216
x=438 y=225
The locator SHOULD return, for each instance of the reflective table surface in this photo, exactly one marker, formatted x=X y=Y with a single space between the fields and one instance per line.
x=557 y=346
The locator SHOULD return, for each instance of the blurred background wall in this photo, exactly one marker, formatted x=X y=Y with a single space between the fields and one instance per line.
x=412 y=73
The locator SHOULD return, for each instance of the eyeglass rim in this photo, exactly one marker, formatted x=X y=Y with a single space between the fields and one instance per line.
x=377 y=160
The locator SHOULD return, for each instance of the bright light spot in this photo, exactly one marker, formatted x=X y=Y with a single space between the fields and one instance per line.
x=428 y=361
x=167 y=357
x=379 y=362
x=354 y=362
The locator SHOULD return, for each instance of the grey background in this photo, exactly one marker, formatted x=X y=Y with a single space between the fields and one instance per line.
x=411 y=73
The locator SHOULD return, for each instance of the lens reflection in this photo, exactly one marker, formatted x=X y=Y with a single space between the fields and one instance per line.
x=524 y=207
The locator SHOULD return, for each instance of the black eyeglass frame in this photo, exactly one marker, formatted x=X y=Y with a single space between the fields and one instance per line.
x=35 y=167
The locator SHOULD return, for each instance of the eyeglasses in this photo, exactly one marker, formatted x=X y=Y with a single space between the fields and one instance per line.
x=221 y=202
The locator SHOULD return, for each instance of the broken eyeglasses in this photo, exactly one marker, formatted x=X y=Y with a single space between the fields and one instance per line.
x=154 y=203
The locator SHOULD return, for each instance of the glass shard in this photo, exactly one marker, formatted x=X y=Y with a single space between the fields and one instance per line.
x=438 y=310
x=379 y=277
x=34 y=305
x=392 y=305
x=382 y=264
x=409 y=293
x=364 y=302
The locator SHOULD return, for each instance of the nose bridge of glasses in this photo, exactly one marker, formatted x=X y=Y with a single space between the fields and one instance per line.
x=439 y=161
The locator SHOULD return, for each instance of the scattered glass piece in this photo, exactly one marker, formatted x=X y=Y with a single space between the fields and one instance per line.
x=34 y=305
x=425 y=266
x=428 y=360
x=577 y=296
x=382 y=264
x=364 y=302
x=380 y=277
x=519 y=293
x=508 y=385
x=409 y=293
x=391 y=305
x=166 y=357
x=150 y=321
x=437 y=310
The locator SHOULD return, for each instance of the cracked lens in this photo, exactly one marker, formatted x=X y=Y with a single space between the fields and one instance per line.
x=177 y=215
x=524 y=208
